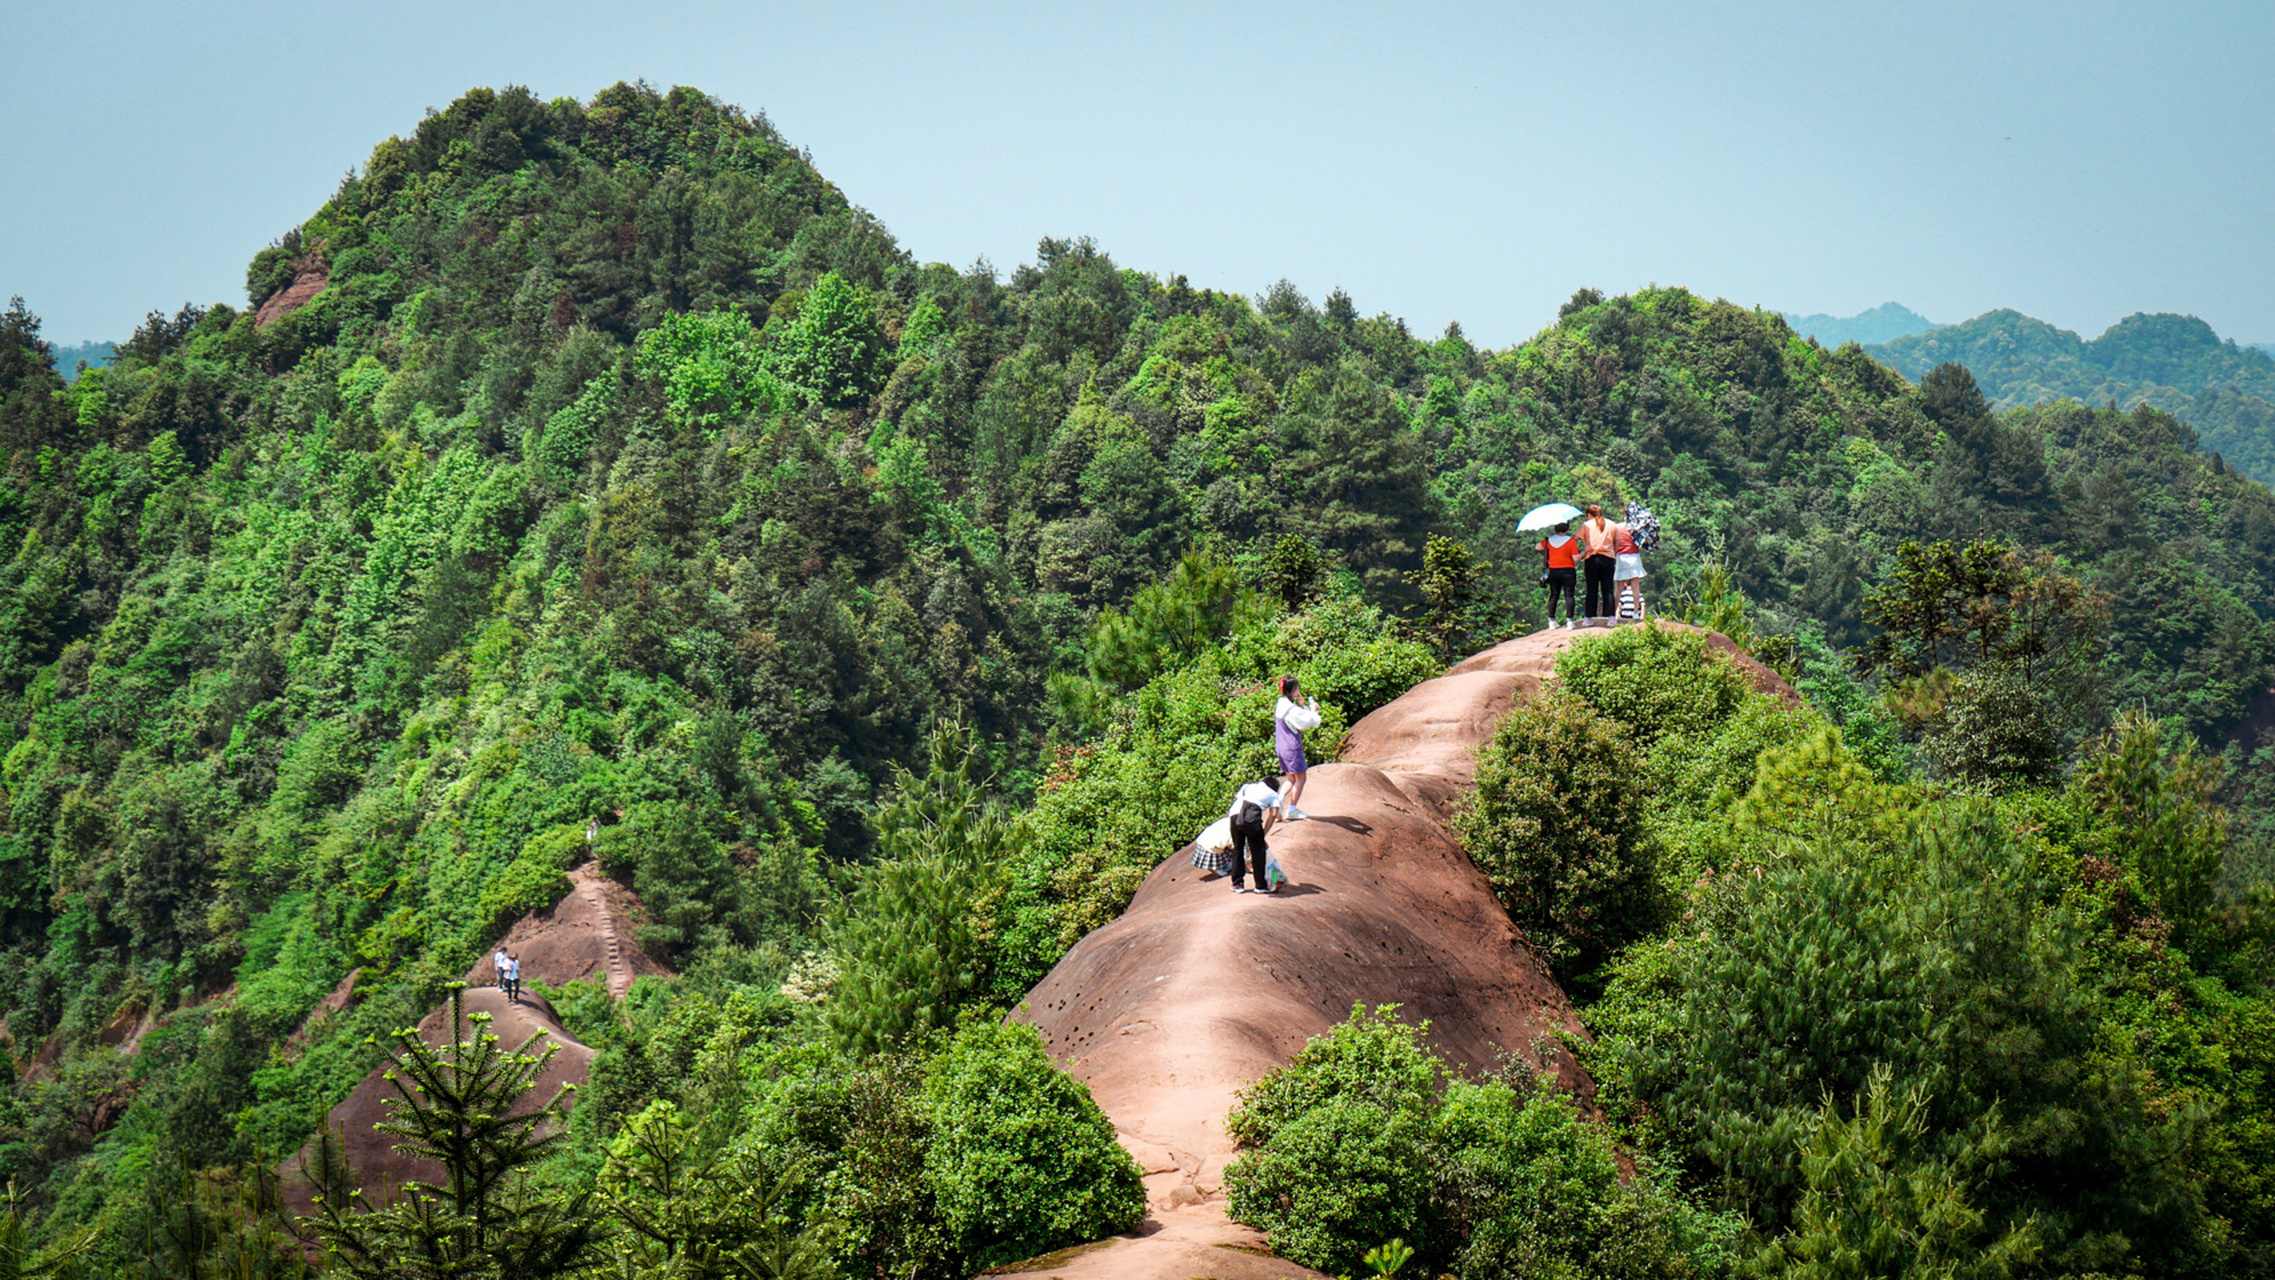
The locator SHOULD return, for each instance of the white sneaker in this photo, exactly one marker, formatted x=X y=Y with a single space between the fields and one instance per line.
x=1240 y=888
x=1295 y=815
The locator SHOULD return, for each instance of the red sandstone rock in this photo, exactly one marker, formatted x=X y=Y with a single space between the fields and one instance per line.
x=1196 y=992
x=588 y=934
x=379 y=1168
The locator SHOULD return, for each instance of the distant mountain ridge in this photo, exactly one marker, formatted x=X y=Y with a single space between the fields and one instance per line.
x=2170 y=362
x=94 y=354
x=1884 y=323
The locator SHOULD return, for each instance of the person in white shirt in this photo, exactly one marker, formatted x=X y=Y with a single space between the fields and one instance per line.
x=509 y=977
x=1255 y=807
x=1295 y=716
x=498 y=961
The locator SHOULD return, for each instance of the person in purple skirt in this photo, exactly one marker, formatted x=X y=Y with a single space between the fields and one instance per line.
x=1295 y=716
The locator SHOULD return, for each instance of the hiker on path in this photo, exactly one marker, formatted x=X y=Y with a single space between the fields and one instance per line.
x=1599 y=546
x=1255 y=807
x=498 y=962
x=1560 y=569
x=1295 y=716
x=509 y=977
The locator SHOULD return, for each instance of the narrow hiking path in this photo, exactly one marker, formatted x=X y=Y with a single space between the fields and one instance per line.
x=587 y=882
x=1195 y=991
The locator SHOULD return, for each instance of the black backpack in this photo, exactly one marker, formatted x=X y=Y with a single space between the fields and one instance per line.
x=1251 y=815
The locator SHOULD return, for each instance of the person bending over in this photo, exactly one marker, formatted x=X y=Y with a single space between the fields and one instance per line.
x=1255 y=807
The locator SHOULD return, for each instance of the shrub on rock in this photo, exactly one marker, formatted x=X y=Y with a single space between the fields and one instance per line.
x=1021 y=1160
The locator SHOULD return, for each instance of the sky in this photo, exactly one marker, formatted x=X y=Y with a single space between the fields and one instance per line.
x=2076 y=161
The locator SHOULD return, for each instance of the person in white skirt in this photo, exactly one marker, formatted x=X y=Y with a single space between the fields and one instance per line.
x=1627 y=574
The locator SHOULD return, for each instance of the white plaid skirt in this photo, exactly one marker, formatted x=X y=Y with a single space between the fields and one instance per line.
x=1208 y=859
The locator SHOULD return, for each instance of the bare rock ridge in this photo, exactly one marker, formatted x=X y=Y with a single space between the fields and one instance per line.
x=587 y=934
x=1195 y=991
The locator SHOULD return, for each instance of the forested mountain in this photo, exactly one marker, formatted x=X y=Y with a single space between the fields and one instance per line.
x=596 y=478
x=1887 y=321
x=2173 y=363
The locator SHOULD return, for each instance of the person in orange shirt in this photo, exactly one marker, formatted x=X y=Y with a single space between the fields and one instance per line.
x=1599 y=552
x=1559 y=560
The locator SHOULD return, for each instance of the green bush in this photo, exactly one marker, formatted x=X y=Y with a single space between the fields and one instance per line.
x=533 y=881
x=1339 y=1179
x=1366 y=1138
x=1533 y=1189
x=1655 y=680
x=860 y=1130
x=1340 y=1155
x=1021 y=1161
x=1370 y=1057
x=1995 y=731
x=1557 y=825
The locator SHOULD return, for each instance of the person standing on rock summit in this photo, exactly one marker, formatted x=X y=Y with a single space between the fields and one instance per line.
x=1255 y=807
x=1600 y=546
x=1295 y=716
x=509 y=976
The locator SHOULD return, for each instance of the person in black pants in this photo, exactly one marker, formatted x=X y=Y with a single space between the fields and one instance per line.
x=1598 y=539
x=1559 y=561
x=1255 y=808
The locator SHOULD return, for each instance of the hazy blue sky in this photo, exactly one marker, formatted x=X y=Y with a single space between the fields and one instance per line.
x=2076 y=161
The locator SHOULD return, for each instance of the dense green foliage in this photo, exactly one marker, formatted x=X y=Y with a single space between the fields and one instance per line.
x=1367 y=1137
x=1558 y=830
x=625 y=492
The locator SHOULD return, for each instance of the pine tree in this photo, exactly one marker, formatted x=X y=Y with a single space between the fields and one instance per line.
x=21 y=1257
x=914 y=942
x=457 y=1105
x=693 y=1207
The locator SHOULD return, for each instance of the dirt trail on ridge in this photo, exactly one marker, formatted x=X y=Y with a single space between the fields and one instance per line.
x=1195 y=992
x=588 y=933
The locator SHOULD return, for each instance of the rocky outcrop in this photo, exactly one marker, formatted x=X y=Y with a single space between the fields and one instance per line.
x=1195 y=992
x=590 y=933
x=587 y=934
x=309 y=275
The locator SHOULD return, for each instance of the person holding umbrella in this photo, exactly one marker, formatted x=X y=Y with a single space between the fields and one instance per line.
x=1558 y=556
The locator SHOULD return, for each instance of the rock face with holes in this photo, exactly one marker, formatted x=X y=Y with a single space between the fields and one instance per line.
x=1195 y=992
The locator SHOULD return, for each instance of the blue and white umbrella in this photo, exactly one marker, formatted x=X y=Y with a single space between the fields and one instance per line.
x=1554 y=513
